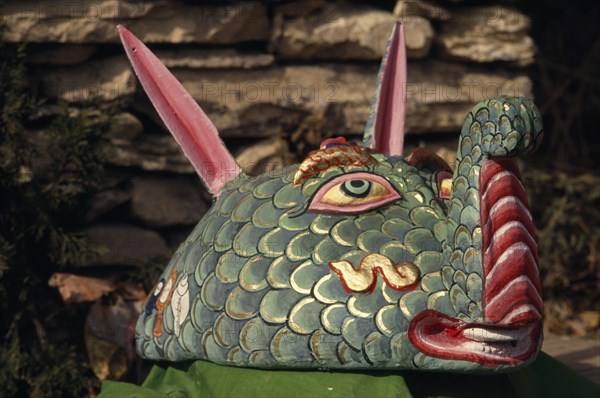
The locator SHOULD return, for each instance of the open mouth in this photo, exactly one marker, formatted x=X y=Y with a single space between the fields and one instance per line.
x=512 y=306
x=441 y=336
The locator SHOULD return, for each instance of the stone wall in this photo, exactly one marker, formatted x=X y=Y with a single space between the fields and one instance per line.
x=275 y=77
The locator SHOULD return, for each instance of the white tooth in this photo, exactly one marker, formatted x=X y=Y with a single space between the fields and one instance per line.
x=480 y=334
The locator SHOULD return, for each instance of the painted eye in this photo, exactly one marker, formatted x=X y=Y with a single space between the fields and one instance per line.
x=356 y=188
x=353 y=193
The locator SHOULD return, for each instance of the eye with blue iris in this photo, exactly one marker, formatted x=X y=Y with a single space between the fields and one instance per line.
x=356 y=188
x=353 y=193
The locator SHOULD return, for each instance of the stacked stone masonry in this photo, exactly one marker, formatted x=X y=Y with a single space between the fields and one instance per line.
x=270 y=75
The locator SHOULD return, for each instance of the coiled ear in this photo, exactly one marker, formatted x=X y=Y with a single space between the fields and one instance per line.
x=501 y=127
x=385 y=128
x=192 y=129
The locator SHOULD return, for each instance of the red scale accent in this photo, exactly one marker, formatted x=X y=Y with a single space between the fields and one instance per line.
x=510 y=212
x=519 y=267
x=520 y=293
x=518 y=264
x=506 y=240
x=495 y=166
x=504 y=187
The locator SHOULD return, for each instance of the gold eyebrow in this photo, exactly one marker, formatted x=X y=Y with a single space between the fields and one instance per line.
x=325 y=158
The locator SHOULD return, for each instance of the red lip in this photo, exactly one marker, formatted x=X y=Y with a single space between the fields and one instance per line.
x=441 y=336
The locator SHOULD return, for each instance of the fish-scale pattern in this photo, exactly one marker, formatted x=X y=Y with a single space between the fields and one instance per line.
x=266 y=295
x=251 y=286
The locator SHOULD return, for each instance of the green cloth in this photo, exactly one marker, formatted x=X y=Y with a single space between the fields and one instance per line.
x=546 y=377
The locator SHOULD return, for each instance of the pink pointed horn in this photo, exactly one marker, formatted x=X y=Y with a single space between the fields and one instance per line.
x=385 y=128
x=192 y=129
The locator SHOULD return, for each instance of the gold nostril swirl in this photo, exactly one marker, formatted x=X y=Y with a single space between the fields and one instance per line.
x=403 y=276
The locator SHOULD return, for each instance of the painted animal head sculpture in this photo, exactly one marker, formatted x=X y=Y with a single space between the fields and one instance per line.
x=357 y=258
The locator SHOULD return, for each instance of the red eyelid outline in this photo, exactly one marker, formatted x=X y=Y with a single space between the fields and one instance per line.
x=318 y=206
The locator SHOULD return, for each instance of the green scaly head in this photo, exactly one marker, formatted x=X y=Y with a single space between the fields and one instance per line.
x=357 y=258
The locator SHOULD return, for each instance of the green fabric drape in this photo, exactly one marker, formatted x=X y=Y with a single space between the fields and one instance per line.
x=546 y=378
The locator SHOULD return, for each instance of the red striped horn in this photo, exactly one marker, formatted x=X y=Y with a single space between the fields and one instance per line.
x=512 y=282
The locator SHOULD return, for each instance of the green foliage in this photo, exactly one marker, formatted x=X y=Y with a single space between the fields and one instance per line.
x=46 y=175
x=55 y=371
x=566 y=208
